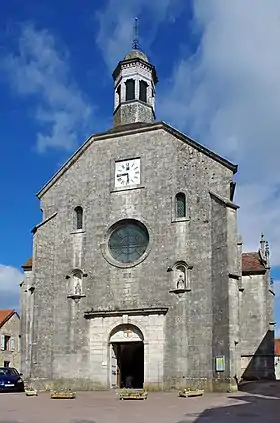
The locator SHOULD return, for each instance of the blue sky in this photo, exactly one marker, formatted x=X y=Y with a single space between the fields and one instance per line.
x=219 y=81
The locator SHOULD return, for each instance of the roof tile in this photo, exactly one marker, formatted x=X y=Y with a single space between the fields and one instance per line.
x=5 y=315
x=27 y=264
x=251 y=263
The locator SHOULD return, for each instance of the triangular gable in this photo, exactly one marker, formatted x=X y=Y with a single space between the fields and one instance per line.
x=129 y=129
x=5 y=315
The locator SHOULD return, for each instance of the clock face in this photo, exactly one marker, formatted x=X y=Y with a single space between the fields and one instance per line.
x=127 y=173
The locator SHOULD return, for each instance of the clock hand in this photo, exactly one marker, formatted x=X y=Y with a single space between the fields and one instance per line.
x=122 y=174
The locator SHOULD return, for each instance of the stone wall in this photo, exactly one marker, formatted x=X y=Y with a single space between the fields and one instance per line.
x=168 y=166
x=26 y=321
x=220 y=289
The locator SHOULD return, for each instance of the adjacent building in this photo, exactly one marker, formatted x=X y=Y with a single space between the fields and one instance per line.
x=257 y=315
x=10 y=339
x=136 y=270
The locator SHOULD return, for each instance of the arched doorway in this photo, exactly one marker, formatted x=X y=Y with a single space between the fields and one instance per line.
x=126 y=357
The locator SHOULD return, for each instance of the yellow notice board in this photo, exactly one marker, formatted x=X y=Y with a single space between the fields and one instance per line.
x=220 y=363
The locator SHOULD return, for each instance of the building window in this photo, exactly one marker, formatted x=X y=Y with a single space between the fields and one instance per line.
x=79 y=217
x=6 y=363
x=180 y=205
x=143 y=91
x=130 y=90
x=7 y=343
x=128 y=241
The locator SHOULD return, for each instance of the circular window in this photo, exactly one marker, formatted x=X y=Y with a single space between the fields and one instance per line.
x=128 y=241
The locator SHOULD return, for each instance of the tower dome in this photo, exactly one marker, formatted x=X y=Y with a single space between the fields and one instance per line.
x=136 y=54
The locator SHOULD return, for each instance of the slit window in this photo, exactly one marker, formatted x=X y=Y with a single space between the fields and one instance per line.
x=180 y=205
x=79 y=217
x=130 y=90
x=119 y=93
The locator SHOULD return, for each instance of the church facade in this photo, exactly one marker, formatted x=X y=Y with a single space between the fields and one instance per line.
x=136 y=270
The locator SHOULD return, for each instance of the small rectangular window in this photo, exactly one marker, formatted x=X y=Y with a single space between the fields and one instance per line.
x=6 y=363
x=180 y=205
x=7 y=341
x=79 y=217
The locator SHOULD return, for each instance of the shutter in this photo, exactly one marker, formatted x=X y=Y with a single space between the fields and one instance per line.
x=12 y=343
x=2 y=342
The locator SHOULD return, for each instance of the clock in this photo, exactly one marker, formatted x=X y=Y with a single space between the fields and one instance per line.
x=127 y=173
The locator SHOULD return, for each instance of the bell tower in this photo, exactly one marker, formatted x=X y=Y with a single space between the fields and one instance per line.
x=135 y=79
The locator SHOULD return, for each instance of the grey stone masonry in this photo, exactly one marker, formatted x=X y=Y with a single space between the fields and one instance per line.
x=193 y=329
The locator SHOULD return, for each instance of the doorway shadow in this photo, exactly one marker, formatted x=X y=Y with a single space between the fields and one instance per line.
x=131 y=364
x=261 y=363
x=261 y=387
x=247 y=409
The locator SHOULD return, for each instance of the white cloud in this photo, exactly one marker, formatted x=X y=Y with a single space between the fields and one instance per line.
x=40 y=68
x=116 y=25
x=227 y=95
x=10 y=278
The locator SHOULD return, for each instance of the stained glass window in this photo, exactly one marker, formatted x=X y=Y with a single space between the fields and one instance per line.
x=79 y=217
x=180 y=205
x=128 y=242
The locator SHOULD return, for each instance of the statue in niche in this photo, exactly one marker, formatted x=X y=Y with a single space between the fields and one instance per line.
x=181 y=282
x=181 y=277
x=77 y=284
x=78 y=289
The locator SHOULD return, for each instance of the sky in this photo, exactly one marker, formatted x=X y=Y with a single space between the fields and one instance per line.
x=218 y=64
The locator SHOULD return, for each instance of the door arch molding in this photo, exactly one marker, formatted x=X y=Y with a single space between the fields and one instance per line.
x=120 y=322
x=126 y=333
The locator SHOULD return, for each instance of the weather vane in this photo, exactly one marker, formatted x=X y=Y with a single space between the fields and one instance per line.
x=135 y=43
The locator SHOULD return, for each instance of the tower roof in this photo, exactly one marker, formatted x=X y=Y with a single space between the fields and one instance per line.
x=136 y=54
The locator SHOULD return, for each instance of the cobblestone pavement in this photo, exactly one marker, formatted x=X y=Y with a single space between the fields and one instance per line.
x=105 y=407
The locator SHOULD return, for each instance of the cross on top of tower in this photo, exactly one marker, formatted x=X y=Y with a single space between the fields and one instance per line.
x=135 y=42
